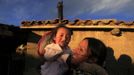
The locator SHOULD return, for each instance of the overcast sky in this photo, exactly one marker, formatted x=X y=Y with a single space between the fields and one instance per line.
x=13 y=12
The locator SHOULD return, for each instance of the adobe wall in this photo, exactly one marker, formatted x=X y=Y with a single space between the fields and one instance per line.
x=118 y=38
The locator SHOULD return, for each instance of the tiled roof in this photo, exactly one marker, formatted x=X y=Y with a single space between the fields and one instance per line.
x=77 y=22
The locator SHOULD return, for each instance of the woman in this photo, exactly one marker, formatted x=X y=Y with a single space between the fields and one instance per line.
x=88 y=57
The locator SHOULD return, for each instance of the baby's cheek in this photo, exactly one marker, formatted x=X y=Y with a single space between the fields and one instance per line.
x=57 y=40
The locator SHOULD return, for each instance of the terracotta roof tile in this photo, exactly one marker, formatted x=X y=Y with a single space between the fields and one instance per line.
x=40 y=22
x=130 y=23
x=111 y=22
x=88 y=22
x=65 y=21
x=26 y=23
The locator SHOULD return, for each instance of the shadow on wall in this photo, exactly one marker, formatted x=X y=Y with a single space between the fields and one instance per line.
x=121 y=66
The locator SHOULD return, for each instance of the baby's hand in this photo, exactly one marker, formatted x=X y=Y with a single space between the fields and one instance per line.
x=52 y=50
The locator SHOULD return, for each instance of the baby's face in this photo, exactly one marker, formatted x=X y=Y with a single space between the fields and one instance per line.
x=62 y=37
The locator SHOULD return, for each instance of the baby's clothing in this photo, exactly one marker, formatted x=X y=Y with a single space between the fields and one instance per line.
x=55 y=60
x=54 y=68
x=52 y=51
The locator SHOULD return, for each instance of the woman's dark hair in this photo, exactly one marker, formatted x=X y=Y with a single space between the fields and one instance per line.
x=54 y=31
x=98 y=50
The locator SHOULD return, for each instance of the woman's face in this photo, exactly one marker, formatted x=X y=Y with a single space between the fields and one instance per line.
x=62 y=37
x=81 y=53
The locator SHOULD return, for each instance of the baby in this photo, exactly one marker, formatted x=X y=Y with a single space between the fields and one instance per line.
x=57 y=52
